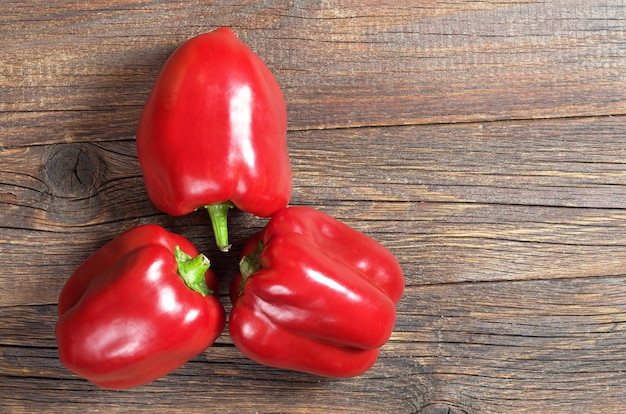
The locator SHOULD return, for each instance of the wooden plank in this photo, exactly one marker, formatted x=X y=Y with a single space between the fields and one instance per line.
x=525 y=346
x=375 y=63
x=466 y=202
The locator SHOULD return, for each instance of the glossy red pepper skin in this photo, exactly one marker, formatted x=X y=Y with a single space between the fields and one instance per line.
x=126 y=317
x=214 y=130
x=321 y=297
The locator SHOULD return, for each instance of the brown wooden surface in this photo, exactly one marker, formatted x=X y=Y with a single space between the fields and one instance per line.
x=483 y=142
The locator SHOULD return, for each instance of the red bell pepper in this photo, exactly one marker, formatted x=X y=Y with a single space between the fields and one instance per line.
x=314 y=295
x=137 y=309
x=213 y=133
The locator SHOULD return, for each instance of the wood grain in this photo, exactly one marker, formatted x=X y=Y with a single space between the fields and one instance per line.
x=375 y=63
x=482 y=142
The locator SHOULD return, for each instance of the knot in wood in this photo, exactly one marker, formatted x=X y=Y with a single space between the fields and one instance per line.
x=441 y=409
x=71 y=170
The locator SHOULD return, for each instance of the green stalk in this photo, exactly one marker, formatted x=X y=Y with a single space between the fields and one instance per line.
x=251 y=263
x=192 y=270
x=218 y=213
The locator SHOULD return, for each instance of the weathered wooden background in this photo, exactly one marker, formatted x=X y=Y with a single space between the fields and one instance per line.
x=483 y=142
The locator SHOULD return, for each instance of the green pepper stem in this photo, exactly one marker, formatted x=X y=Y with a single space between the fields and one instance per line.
x=218 y=213
x=192 y=270
x=251 y=263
